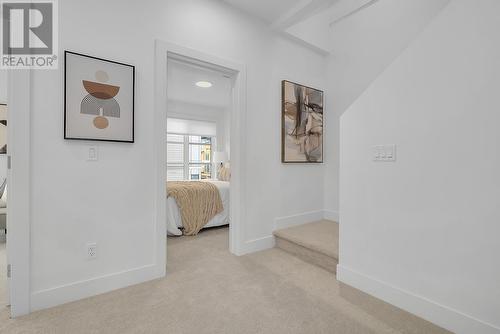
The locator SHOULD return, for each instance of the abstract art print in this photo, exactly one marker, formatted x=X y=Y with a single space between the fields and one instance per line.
x=98 y=99
x=301 y=123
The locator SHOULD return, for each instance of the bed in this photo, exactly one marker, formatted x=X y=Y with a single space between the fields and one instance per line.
x=174 y=221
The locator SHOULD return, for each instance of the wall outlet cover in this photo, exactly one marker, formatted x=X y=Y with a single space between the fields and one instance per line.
x=91 y=251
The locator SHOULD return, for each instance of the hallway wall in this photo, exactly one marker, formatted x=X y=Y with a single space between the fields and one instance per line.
x=110 y=202
x=422 y=232
x=363 y=46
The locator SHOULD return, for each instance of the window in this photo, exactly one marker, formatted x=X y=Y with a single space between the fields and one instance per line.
x=189 y=157
x=175 y=157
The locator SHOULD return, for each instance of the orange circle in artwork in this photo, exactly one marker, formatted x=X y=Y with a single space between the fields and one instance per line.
x=101 y=122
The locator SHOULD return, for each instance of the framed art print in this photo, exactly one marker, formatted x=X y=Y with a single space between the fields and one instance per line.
x=301 y=123
x=98 y=99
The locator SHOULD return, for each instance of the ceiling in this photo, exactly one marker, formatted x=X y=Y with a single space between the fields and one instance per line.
x=268 y=10
x=305 y=20
x=181 y=85
x=319 y=24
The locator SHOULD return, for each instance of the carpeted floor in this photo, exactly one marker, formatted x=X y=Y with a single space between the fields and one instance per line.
x=208 y=290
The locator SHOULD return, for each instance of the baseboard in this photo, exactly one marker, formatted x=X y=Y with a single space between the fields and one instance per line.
x=331 y=215
x=267 y=242
x=257 y=245
x=440 y=315
x=298 y=219
x=91 y=287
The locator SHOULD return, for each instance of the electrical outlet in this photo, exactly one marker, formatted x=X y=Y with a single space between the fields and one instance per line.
x=91 y=251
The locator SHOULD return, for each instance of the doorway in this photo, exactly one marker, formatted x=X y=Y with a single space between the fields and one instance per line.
x=198 y=159
x=15 y=86
x=236 y=73
x=16 y=95
x=4 y=283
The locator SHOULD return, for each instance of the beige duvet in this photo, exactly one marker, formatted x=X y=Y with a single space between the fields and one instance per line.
x=198 y=203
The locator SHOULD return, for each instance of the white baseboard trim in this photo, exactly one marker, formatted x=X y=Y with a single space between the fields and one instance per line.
x=267 y=242
x=259 y=244
x=440 y=315
x=331 y=215
x=298 y=219
x=78 y=290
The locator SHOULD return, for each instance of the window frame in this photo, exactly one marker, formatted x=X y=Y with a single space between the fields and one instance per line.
x=186 y=154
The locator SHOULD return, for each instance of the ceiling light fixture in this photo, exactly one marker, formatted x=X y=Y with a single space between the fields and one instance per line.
x=204 y=84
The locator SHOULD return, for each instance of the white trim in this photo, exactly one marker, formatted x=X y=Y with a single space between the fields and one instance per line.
x=298 y=219
x=259 y=244
x=166 y=50
x=331 y=215
x=160 y=176
x=441 y=315
x=348 y=12
x=19 y=182
x=91 y=287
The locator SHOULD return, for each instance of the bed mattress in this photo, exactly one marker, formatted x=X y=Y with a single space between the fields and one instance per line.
x=174 y=220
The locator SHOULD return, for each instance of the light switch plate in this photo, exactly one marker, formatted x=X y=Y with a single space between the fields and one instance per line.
x=384 y=152
x=93 y=153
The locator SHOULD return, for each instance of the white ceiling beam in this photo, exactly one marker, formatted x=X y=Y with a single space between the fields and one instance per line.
x=345 y=9
x=302 y=10
x=310 y=21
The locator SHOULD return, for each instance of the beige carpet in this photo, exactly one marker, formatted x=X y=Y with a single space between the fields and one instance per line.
x=208 y=290
x=321 y=236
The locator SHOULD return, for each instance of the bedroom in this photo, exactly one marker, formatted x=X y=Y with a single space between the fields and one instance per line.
x=198 y=145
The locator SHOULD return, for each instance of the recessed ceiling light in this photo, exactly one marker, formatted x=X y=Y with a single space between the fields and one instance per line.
x=204 y=84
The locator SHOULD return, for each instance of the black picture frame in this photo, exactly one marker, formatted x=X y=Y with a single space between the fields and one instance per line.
x=66 y=137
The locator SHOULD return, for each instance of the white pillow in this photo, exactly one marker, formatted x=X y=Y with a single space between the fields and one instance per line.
x=225 y=174
x=4 y=195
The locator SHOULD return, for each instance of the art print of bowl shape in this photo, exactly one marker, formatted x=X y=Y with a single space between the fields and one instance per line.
x=100 y=100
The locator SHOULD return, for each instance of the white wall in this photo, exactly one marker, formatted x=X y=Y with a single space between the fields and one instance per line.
x=423 y=232
x=111 y=201
x=3 y=99
x=362 y=46
x=3 y=86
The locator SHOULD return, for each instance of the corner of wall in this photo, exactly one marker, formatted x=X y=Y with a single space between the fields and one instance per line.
x=331 y=215
x=257 y=245
x=268 y=242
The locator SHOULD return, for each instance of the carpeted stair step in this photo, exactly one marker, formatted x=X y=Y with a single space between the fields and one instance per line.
x=316 y=243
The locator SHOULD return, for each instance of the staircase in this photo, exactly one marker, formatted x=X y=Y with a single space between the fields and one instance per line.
x=316 y=243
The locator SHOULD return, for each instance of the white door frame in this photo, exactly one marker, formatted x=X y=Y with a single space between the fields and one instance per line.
x=163 y=51
x=19 y=181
